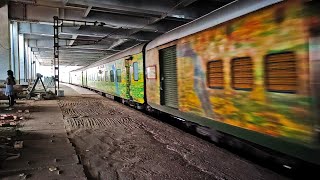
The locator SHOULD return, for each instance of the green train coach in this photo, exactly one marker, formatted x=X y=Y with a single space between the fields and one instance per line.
x=249 y=70
x=120 y=76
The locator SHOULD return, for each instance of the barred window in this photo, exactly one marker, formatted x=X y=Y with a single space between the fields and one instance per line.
x=111 y=76
x=281 y=72
x=242 y=73
x=118 y=75
x=215 y=74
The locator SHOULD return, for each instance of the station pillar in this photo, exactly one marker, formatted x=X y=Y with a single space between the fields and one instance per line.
x=4 y=42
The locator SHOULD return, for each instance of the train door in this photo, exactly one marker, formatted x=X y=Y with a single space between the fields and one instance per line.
x=128 y=76
x=168 y=77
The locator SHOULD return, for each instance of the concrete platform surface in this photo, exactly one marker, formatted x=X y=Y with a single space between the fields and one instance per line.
x=47 y=152
x=72 y=90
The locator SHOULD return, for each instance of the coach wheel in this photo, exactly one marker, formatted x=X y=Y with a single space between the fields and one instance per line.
x=123 y=101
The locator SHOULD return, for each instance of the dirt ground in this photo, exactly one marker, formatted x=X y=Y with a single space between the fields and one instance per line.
x=117 y=142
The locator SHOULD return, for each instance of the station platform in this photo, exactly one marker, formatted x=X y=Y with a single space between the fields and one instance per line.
x=71 y=90
x=46 y=151
x=86 y=136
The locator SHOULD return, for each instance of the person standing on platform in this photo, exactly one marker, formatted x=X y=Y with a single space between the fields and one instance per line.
x=10 y=82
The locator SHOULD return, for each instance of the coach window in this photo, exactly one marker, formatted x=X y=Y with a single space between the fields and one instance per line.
x=242 y=73
x=215 y=77
x=281 y=72
x=118 y=75
x=135 y=71
x=111 y=76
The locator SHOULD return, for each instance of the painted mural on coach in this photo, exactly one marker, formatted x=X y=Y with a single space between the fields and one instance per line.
x=250 y=74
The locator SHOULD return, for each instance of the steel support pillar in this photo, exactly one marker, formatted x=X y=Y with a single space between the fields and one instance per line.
x=56 y=53
x=58 y=24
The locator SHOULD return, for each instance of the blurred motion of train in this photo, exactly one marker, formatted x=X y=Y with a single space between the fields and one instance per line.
x=249 y=70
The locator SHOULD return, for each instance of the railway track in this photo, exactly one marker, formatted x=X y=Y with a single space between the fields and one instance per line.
x=133 y=144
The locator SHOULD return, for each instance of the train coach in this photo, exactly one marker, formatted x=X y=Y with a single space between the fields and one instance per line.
x=248 y=70
x=120 y=76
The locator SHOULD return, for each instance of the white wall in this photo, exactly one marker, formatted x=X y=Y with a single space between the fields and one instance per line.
x=64 y=71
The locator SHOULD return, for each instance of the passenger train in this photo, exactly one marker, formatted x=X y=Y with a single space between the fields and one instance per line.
x=249 y=70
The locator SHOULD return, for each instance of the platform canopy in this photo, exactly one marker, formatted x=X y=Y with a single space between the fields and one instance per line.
x=120 y=25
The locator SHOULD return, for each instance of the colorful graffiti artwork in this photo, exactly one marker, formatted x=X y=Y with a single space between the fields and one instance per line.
x=113 y=78
x=277 y=114
x=137 y=83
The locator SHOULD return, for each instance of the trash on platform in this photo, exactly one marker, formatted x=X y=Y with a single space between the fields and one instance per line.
x=24 y=176
x=18 y=145
x=9 y=119
x=12 y=156
x=12 y=123
x=53 y=169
